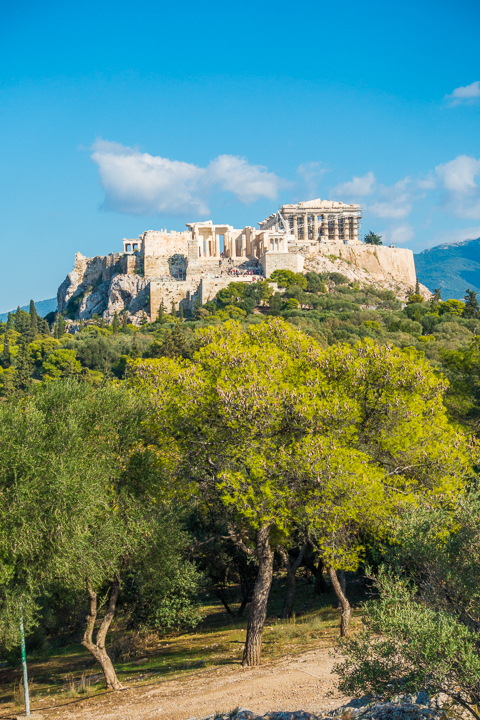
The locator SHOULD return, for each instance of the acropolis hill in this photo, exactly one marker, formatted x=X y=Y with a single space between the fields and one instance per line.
x=190 y=267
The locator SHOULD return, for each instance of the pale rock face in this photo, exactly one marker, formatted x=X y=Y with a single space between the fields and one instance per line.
x=129 y=292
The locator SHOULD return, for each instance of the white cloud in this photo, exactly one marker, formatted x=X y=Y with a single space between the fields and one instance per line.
x=395 y=201
x=311 y=172
x=398 y=235
x=358 y=187
x=462 y=194
x=247 y=182
x=464 y=95
x=143 y=184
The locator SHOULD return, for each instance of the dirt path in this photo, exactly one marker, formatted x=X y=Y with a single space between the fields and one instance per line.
x=292 y=683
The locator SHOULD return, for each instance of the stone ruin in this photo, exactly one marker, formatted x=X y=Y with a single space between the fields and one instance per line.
x=190 y=267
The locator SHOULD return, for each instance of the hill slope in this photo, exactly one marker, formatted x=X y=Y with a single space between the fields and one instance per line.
x=43 y=308
x=453 y=267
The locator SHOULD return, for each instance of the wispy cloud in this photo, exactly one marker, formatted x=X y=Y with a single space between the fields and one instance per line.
x=464 y=95
x=461 y=192
x=310 y=173
x=394 y=201
x=398 y=234
x=356 y=188
x=142 y=184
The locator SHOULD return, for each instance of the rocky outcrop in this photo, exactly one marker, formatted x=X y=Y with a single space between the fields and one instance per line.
x=331 y=262
x=420 y=708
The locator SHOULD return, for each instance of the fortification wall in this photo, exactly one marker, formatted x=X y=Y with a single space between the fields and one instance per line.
x=281 y=261
x=160 y=247
x=180 y=292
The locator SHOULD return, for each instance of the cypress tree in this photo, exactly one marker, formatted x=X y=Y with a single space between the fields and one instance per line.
x=134 y=349
x=124 y=319
x=168 y=345
x=180 y=312
x=32 y=329
x=23 y=369
x=417 y=288
x=6 y=357
x=161 y=312
x=174 y=309
x=143 y=319
x=17 y=321
x=60 y=326
x=178 y=340
x=10 y=325
x=115 y=324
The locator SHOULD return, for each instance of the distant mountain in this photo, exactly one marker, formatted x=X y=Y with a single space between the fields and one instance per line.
x=43 y=308
x=453 y=267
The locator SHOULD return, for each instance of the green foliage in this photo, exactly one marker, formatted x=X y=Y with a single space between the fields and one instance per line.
x=453 y=307
x=61 y=363
x=472 y=308
x=372 y=239
x=408 y=646
x=286 y=278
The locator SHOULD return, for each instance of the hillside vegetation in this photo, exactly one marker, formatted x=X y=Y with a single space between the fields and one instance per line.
x=312 y=433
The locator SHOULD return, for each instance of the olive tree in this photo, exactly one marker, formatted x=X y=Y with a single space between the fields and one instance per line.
x=79 y=503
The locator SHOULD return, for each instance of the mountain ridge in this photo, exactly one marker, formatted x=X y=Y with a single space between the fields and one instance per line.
x=452 y=267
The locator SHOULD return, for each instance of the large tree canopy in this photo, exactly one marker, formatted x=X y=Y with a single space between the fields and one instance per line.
x=292 y=436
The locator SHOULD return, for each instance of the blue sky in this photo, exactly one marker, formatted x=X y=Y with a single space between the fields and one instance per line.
x=120 y=117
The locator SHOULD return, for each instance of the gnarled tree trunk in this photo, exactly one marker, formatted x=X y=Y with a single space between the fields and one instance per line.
x=291 y=568
x=98 y=648
x=258 y=608
x=342 y=601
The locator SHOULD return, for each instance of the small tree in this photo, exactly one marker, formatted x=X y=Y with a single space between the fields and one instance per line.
x=472 y=308
x=372 y=239
x=6 y=356
x=115 y=324
x=161 y=312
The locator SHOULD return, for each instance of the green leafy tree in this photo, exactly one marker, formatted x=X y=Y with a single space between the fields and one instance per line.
x=369 y=421
x=143 y=319
x=61 y=363
x=372 y=239
x=10 y=322
x=86 y=505
x=472 y=308
x=423 y=632
x=287 y=278
x=453 y=307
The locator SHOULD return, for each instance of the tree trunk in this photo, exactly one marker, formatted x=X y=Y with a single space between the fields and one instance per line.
x=98 y=648
x=321 y=586
x=342 y=601
x=258 y=608
x=287 y=611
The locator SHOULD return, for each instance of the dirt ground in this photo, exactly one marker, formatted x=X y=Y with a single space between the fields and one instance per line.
x=301 y=682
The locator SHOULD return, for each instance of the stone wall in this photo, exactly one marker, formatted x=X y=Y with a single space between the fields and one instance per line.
x=281 y=261
x=159 y=248
x=179 y=292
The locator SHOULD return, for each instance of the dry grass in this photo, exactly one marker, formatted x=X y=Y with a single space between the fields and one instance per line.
x=218 y=640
